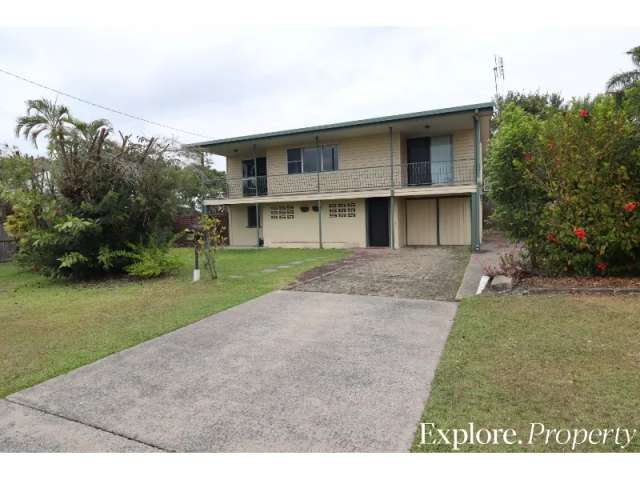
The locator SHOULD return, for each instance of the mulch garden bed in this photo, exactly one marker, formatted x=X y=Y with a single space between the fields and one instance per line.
x=607 y=285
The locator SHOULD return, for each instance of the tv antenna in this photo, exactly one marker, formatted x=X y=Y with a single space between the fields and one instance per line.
x=498 y=72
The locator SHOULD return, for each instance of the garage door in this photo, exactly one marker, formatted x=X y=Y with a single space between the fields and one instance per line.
x=455 y=221
x=422 y=221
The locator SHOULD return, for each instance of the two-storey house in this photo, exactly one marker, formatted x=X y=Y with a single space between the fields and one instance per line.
x=395 y=181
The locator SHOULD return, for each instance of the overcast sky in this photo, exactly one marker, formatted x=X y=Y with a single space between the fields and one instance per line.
x=242 y=80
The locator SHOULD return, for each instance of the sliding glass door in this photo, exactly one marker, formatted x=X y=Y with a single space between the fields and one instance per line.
x=429 y=160
x=254 y=177
x=441 y=160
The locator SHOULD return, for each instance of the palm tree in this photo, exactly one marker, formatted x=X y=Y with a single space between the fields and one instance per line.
x=43 y=116
x=621 y=81
x=89 y=130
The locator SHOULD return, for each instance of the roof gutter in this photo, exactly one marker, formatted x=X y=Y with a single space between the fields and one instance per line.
x=475 y=108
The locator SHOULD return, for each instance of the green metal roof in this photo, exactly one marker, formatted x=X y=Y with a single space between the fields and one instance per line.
x=355 y=123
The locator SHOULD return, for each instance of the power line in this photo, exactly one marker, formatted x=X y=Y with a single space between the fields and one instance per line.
x=97 y=105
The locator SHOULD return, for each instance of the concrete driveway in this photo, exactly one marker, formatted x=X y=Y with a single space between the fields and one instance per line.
x=289 y=371
x=428 y=273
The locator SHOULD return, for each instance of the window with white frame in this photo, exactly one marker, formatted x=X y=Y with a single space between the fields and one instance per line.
x=312 y=159
x=282 y=212
x=342 y=210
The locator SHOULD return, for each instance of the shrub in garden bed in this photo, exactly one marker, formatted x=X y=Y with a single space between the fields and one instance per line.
x=102 y=206
x=567 y=184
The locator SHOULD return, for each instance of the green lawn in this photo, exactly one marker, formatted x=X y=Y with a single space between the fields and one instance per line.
x=49 y=327
x=564 y=361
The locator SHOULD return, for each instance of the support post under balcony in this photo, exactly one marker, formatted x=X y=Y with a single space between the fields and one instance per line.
x=475 y=196
x=319 y=203
x=255 y=167
x=320 y=224
x=392 y=202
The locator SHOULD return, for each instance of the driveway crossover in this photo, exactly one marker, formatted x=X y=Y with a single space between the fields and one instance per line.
x=289 y=371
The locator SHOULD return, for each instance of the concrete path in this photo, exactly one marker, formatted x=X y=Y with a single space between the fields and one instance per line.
x=493 y=245
x=289 y=371
x=25 y=429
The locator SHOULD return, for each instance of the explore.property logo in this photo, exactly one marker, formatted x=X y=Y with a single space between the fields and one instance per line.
x=536 y=434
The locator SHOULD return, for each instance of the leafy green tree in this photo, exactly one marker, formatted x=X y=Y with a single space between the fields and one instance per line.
x=516 y=199
x=621 y=81
x=631 y=103
x=534 y=103
x=24 y=172
x=22 y=175
x=111 y=209
x=207 y=238
x=197 y=182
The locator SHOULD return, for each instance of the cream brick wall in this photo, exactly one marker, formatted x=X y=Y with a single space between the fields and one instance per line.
x=302 y=230
x=239 y=234
x=277 y=161
x=234 y=167
x=357 y=152
x=350 y=232
x=463 y=145
x=354 y=153
x=463 y=155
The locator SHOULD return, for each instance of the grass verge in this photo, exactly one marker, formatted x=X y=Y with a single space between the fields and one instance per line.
x=50 y=326
x=568 y=362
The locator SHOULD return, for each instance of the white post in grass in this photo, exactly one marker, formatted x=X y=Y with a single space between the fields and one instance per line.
x=196 y=267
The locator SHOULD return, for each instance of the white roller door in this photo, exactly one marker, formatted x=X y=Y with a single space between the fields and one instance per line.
x=422 y=222
x=455 y=221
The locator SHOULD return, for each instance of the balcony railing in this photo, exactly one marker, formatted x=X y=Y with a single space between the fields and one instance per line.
x=460 y=172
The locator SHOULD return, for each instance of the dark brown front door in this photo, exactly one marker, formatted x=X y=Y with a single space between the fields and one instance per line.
x=378 y=222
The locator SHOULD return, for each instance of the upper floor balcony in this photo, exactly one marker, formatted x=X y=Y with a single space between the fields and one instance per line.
x=380 y=177
x=423 y=153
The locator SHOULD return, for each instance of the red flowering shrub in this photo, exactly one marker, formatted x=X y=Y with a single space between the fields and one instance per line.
x=631 y=206
x=581 y=190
